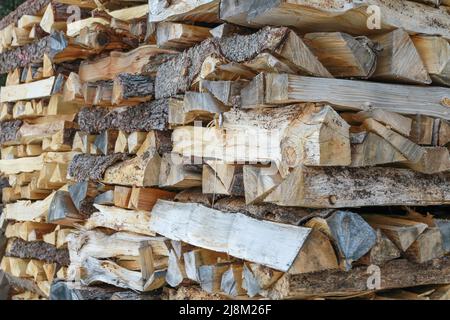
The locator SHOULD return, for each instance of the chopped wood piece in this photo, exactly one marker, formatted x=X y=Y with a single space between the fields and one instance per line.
x=176 y=173
x=427 y=246
x=397 y=48
x=392 y=120
x=343 y=55
x=194 y=11
x=220 y=178
x=38 y=89
x=87 y=167
x=120 y=220
x=259 y=182
x=177 y=76
x=130 y=89
x=38 y=250
x=434 y=160
x=404 y=99
x=62 y=210
x=118 y=62
x=166 y=215
x=398 y=273
x=122 y=196
x=351 y=17
x=179 y=36
x=355 y=187
x=383 y=251
x=145 y=198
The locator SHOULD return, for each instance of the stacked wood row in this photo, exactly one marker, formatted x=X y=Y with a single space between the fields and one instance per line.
x=199 y=150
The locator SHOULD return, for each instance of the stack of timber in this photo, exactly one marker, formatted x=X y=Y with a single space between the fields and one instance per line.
x=199 y=150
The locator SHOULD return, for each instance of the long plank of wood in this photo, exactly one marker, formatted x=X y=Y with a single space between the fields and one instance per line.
x=356 y=187
x=235 y=234
x=27 y=91
x=357 y=95
x=397 y=273
x=354 y=17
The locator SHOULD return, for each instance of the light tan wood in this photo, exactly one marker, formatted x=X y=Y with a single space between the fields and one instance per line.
x=179 y=36
x=399 y=60
x=28 y=91
x=190 y=10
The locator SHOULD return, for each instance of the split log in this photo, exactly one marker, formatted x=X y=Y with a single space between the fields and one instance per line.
x=434 y=160
x=86 y=167
x=176 y=172
x=394 y=121
x=62 y=210
x=428 y=246
x=141 y=171
x=177 y=75
x=143 y=117
x=226 y=92
x=105 y=142
x=197 y=106
x=9 y=131
x=179 y=36
x=62 y=290
x=145 y=198
x=194 y=11
x=401 y=232
x=34 y=90
x=343 y=55
x=355 y=187
x=232 y=229
x=220 y=178
x=130 y=89
x=284 y=89
x=37 y=250
x=396 y=48
x=21 y=284
x=399 y=273
x=288 y=136
x=383 y=251
x=118 y=62
x=29 y=7
x=120 y=220
x=259 y=182
x=435 y=53
x=338 y=15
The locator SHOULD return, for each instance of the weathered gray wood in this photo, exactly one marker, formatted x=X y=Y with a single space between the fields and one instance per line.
x=404 y=99
x=233 y=233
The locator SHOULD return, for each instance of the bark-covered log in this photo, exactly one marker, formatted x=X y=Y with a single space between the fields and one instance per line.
x=9 y=130
x=33 y=52
x=86 y=167
x=29 y=7
x=24 y=284
x=143 y=117
x=176 y=75
x=38 y=250
x=130 y=88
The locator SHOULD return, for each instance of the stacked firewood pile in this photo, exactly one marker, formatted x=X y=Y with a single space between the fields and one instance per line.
x=225 y=149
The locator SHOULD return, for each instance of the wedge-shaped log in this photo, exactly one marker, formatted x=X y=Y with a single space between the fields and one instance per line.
x=398 y=273
x=177 y=75
x=259 y=182
x=354 y=17
x=232 y=233
x=289 y=136
x=399 y=60
x=221 y=178
x=179 y=36
x=404 y=99
x=190 y=10
x=355 y=187
x=343 y=55
x=176 y=172
x=141 y=171
x=427 y=246
x=383 y=251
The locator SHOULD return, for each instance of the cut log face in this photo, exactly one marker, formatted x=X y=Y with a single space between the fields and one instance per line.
x=343 y=55
x=383 y=251
x=354 y=187
x=336 y=16
x=179 y=36
x=165 y=215
x=258 y=183
x=397 y=48
x=288 y=137
x=427 y=246
x=401 y=232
